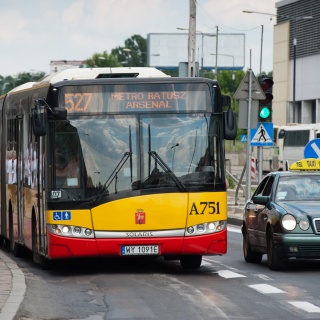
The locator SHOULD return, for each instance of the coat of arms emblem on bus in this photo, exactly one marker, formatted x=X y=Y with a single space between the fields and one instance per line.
x=140 y=216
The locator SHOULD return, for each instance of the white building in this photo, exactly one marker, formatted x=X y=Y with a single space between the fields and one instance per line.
x=60 y=65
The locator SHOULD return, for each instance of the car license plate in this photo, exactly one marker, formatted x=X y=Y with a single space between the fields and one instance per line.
x=139 y=250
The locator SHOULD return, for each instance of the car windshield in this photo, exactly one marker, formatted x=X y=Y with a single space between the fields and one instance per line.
x=298 y=188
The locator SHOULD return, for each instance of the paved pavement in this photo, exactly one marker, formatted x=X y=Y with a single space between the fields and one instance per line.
x=12 y=287
x=12 y=281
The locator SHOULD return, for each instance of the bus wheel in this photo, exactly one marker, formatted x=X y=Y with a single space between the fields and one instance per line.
x=190 y=261
x=44 y=262
x=20 y=251
x=34 y=233
x=11 y=237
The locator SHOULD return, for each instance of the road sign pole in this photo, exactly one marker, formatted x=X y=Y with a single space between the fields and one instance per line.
x=260 y=163
x=249 y=153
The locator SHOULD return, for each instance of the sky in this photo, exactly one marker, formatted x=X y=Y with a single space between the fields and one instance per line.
x=35 y=32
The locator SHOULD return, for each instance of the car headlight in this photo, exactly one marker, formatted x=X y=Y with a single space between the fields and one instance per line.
x=289 y=222
x=304 y=225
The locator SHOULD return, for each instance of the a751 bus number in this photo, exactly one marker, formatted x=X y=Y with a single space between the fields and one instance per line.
x=205 y=207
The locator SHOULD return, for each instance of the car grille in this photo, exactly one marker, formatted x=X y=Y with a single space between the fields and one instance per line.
x=311 y=251
x=316 y=223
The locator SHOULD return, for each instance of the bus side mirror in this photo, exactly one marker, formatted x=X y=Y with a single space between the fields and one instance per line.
x=60 y=113
x=282 y=133
x=39 y=118
x=229 y=124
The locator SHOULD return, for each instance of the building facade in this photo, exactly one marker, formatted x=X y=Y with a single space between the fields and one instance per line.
x=296 y=62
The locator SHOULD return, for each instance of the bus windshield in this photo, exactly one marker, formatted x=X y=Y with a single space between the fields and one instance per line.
x=130 y=152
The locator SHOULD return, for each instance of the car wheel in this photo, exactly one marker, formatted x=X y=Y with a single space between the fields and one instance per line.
x=190 y=261
x=274 y=262
x=248 y=254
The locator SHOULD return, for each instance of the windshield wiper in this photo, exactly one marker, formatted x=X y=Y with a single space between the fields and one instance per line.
x=167 y=170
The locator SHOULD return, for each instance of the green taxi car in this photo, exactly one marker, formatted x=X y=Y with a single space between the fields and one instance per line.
x=282 y=219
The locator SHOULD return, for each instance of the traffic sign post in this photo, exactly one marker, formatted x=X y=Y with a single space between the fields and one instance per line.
x=249 y=89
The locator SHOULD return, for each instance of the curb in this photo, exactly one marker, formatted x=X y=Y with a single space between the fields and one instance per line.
x=12 y=287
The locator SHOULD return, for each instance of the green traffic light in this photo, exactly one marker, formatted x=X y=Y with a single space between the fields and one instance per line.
x=265 y=113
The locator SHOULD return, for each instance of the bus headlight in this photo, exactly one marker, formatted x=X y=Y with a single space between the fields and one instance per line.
x=88 y=232
x=65 y=229
x=76 y=230
x=206 y=228
x=190 y=230
x=71 y=231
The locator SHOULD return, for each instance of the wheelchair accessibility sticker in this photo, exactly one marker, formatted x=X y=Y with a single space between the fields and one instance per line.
x=61 y=215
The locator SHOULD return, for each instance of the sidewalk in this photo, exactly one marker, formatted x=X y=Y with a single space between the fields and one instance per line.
x=12 y=287
x=235 y=208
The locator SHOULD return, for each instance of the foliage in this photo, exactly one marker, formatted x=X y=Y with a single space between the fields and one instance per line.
x=102 y=60
x=134 y=52
x=10 y=82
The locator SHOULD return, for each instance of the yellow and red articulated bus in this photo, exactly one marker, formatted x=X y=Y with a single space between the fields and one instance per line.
x=115 y=162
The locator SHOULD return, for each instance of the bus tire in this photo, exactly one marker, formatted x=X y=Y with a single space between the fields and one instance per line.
x=190 y=261
x=11 y=237
x=20 y=251
x=34 y=233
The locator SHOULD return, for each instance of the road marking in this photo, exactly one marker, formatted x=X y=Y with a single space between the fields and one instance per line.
x=229 y=274
x=305 y=306
x=316 y=149
x=263 y=277
x=266 y=288
x=233 y=229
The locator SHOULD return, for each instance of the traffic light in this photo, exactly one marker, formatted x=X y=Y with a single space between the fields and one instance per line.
x=265 y=106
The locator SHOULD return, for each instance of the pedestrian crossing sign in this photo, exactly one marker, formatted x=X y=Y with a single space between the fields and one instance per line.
x=263 y=135
x=243 y=138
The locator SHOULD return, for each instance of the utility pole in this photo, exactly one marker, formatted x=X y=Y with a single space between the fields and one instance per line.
x=192 y=39
x=260 y=149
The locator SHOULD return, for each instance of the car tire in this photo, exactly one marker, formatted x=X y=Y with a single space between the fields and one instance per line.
x=249 y=255
x=274 y=262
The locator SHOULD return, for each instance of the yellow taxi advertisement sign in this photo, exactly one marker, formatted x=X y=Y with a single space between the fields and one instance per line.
x=310 y=164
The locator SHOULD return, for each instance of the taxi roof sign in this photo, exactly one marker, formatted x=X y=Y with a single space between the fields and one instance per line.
x=309 y=164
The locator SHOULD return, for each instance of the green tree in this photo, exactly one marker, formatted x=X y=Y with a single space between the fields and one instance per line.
x=10 y=82
x=102 y=60
x=134 y=52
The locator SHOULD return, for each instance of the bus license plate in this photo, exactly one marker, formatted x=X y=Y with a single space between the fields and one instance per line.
x=139 y=250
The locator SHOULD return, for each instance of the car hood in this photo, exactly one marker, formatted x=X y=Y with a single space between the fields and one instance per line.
x=310 y=208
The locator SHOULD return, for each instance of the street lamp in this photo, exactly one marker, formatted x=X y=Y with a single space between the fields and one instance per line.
x=294 y=43
x=202 y=36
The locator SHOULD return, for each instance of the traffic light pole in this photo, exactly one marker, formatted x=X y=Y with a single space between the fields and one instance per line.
x=249 y=153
